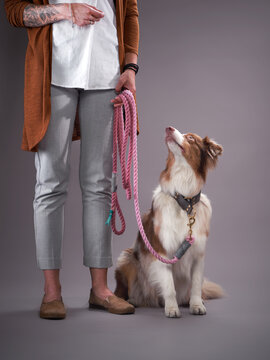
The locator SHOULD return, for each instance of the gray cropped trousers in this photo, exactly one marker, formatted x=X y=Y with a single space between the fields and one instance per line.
x=52 y=163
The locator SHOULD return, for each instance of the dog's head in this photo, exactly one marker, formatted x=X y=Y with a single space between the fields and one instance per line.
x=191 y=151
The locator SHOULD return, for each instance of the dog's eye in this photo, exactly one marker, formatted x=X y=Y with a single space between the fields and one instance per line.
x=190 y=137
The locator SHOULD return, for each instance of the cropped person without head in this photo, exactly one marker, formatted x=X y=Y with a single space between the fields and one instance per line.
x=80 y=55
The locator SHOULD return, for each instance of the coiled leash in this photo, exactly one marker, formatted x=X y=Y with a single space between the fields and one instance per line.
x=120 y=138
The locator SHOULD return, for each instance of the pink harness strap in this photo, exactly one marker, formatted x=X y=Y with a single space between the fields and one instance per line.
x=120 y=137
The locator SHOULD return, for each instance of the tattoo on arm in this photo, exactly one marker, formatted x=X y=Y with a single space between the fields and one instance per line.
x=40 y=15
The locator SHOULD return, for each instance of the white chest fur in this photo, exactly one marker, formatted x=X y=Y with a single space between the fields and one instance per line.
x=172 y=222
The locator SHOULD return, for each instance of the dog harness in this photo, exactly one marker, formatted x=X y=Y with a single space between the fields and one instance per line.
x=121 y=131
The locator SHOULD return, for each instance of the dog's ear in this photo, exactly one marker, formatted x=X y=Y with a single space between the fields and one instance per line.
x=212 y=150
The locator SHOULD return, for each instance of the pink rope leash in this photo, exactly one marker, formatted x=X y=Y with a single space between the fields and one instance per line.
x=120 y=137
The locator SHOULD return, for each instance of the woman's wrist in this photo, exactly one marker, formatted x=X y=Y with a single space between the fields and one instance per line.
x=131 y=66
x=66 y=11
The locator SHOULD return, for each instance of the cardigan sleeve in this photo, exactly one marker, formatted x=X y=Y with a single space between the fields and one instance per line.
x=131 y=27
x=14 y=10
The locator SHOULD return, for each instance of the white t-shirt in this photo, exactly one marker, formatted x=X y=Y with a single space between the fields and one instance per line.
x=86 y=56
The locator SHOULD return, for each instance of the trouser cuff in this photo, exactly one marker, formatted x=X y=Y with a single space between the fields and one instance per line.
x=49 y=263
x=103 y=262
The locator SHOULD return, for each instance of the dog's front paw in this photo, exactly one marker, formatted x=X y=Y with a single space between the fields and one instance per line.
x=172 y=311
x=197 y=309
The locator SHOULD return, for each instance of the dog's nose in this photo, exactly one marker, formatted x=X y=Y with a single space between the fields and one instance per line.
x=170 y=129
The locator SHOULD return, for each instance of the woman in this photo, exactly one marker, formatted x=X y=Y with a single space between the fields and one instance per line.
x=79 y=56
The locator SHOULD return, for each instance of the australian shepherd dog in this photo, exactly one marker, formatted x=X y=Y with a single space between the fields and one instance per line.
x=144 y=280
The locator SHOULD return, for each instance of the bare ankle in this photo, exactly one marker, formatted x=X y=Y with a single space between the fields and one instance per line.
x=52 y=293
x=49 y=288
x=101 y=291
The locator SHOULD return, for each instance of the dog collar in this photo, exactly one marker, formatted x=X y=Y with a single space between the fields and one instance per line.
x=186 y=203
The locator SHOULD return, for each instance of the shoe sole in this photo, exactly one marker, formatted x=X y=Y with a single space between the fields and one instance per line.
x=95 y=306
x=52 y=316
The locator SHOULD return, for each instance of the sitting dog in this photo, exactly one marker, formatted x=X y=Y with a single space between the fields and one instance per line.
x=141 y=278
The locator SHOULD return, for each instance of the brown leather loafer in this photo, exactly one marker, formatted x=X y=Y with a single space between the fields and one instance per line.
x=112 y=303
x=54 y=309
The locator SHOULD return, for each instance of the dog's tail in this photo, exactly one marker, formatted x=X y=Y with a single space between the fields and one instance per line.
x=211 y=290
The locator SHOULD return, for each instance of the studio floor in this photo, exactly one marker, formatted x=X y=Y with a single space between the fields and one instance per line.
x=229 y=330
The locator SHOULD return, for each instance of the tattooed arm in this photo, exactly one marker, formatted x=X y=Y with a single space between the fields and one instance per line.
x=40 y=15
x=23 y=13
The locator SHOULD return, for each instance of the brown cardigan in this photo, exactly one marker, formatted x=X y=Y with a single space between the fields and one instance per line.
x=38 y=60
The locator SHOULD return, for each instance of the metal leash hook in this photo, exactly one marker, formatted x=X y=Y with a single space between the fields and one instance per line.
x=188 y=240
x=191 y=221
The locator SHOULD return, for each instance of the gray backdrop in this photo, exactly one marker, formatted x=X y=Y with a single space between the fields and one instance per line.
x=204 y=68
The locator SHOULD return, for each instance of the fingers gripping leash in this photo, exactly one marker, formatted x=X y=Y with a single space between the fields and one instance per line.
x=120 y=138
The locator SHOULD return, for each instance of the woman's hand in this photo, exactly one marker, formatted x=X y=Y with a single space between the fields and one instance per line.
x=126 y=81
x=84 y=14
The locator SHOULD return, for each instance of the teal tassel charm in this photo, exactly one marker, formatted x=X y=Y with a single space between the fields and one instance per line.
x=109 y=218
